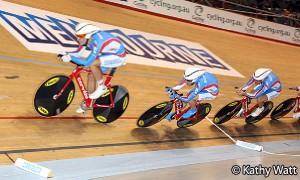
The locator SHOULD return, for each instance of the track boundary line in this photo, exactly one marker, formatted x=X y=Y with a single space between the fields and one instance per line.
x=89 y=117
x=137 y=143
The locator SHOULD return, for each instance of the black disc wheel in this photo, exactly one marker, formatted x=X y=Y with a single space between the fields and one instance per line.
x=283 y=108
x=227 y=112
x=268 y=105
x=203 y=111
x=45 y=101
x=120 y=97
x=155 y=114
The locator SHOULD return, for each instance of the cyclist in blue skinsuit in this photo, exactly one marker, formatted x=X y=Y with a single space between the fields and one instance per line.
x=107 y=51
x=268 y=86
x=297 y=114
x=206 y=88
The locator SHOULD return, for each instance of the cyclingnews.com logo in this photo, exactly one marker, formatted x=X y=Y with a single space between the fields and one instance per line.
x=250 y=26
x=197 y=16
x=296 y=37
x=260 y=170
x=140 y=4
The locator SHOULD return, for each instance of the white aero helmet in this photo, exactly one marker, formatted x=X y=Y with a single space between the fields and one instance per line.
x=261 y=73
x=86 y=30
x=191 y=74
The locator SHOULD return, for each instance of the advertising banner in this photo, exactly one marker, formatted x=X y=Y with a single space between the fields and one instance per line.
x=217 y=18
x=45 y=31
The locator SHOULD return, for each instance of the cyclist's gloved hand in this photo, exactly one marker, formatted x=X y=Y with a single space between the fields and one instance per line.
x=172 y=95
x=169 y=89
x=66 y=58
x=61 y=54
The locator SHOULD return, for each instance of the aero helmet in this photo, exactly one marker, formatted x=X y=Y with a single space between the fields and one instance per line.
x=261 y=73
x=191 y=74
x=86 y=30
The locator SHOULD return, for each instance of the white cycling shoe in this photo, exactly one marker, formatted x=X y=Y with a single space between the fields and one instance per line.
x=101 y=89
x=297 y=115
x=83 y=108
x=240 y=112
x=257 y=111
x=79 y=110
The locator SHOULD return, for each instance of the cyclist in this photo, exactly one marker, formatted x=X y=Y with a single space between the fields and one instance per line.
x=267 y=87
x=106 y=49
x=297 y=115
x=206 y=88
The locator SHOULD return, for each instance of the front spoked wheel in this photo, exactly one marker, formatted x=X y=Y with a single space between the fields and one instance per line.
x=283 y=108
x=107 y=115
x=203 y=111
x=155 y=114
x=227 y=112
x=45 y=102
x=268 y=105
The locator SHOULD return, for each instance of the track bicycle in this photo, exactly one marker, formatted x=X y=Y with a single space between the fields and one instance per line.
x=56 y=93
x=159 y=111
x=231 y=110
x=286 y=106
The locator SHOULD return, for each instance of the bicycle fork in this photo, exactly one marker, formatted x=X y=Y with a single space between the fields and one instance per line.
x=298 y=103
x=56 y=96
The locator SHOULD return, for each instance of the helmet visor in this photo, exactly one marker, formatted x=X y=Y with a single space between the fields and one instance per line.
x=80 y=35
x=189 y=80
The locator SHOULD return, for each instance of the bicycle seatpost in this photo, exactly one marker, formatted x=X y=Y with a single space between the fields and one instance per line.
x=112 y=71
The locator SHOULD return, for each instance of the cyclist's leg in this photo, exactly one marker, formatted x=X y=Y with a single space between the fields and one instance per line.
x=95 y=68
x=261 y=99
x=296 y=111
x=269 y=94
x=202 y=95
x=192 y=102
x=105 y=61
x=101 y=88
x=170 y=116
x=91 y=85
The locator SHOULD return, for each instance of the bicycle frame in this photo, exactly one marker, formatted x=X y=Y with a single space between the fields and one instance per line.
x=179 y=113
x=298 y=104
x=245 y=107
x=76 y=74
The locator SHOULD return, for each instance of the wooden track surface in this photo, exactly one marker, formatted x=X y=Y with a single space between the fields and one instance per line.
x=23 y=135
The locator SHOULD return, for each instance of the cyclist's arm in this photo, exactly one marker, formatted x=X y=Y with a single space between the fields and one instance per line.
x=79 y=51
x=248 y=84
x=191 y=95
x=259 y=90
x=85 y=62
x=95 y=52
x=179 y=85
x=297 y=88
